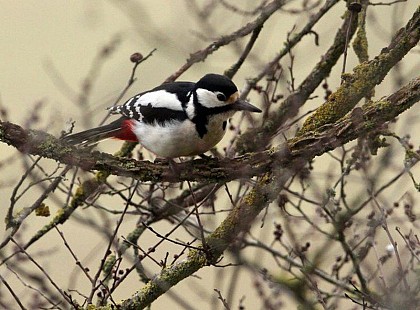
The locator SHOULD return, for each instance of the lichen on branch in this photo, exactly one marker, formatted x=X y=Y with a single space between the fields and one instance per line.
x=365 y=77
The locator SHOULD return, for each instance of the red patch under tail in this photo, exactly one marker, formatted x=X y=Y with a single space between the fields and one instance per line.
x=126 y=132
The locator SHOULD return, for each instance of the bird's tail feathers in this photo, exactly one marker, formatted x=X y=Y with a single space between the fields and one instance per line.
x=93 y=136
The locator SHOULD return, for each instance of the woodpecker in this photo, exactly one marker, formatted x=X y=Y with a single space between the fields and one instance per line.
x=174 y=119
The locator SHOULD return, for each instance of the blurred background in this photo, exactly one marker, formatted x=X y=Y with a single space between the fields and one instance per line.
x=65 y=61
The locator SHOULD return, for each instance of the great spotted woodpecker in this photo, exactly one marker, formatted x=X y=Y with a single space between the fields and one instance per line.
x=174 y=119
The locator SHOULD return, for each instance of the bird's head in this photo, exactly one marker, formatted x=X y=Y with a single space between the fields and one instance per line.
x=215 y=91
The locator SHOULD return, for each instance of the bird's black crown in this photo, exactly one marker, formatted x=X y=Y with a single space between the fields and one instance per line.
x=217 y=82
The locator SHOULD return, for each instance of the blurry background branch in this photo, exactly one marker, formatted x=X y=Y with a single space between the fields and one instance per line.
x=258 y=23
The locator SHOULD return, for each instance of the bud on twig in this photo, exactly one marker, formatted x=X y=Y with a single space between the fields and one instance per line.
x=136 y=57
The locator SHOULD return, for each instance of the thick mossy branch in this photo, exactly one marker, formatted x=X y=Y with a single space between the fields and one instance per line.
x=281 y=162
x=167 y=278
x=365 y=77
x=258 y=139
x=360 y=43
x=242 y=216
x=361 y=121
x=306 y=146
x=237 y=221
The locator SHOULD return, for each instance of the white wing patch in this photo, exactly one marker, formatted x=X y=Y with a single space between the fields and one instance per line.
x=160 y=99
x=156 y=99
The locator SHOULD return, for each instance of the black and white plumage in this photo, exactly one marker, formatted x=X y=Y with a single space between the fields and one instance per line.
x=174 y=119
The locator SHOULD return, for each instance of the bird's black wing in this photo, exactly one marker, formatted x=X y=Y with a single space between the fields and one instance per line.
x=152 y=114
x=162 y=104
x=181 y=89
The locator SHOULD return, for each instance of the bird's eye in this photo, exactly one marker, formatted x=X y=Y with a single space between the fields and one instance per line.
x=221 y=97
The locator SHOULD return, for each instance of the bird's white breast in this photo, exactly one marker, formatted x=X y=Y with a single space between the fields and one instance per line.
x=179 y=138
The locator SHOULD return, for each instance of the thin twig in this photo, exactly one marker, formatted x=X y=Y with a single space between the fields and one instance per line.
x=201 y=55
x=220 y=297
x=12 y=292
x=130 y=82
x=230 y=73
x=107 y=250
x=394 y=245
x=408 y=244
x=46 y=274
x=78 y=263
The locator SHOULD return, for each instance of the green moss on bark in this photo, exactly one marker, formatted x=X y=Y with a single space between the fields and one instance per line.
x=364 y=77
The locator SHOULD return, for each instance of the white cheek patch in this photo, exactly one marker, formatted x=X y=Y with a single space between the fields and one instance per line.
x=208 y=99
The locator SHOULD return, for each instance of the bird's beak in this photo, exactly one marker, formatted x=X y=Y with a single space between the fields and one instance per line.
x=242 y=105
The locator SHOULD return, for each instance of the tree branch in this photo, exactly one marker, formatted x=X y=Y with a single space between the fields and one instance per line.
x=365 y=76
x=201 y=55
x=267 y=189
x=330 y=136
x=256 y=140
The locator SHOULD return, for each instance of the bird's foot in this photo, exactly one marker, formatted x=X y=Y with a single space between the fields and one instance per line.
x=204 y=156
x=161 y=160
x=173 y=165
